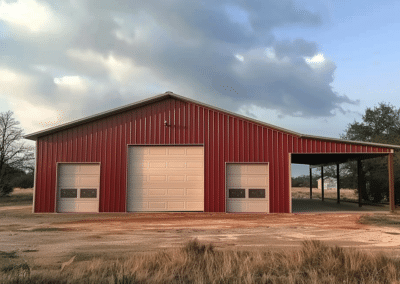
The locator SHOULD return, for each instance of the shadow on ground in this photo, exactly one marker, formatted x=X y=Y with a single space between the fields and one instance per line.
x=330 y=205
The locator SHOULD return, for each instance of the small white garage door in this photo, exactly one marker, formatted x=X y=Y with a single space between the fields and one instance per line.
x=165 y=178
x=247 y=188
x=78 y=188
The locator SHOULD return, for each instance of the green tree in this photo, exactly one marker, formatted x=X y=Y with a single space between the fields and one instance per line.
x=380 y=124
x=15 y=157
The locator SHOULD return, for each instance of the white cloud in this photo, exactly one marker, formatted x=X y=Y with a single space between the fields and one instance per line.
x=14 y=84
x=74 y=83
x=316 y=60
x=34 y=117
x=239 y=57
x=120 y=69
x=30 y=15
x=119 y=34
x=270 y=53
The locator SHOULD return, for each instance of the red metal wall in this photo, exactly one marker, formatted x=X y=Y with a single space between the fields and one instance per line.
x=226 y=138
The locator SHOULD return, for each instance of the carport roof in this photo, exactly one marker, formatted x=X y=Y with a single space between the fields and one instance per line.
x=166 y=95
x=320 y=159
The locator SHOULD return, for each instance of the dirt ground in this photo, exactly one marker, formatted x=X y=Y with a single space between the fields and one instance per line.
x=45 y=241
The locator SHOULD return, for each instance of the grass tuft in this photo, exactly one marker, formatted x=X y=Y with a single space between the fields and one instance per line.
x=12 y=254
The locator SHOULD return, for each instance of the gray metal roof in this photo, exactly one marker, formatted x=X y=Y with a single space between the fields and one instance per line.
x=35 y=135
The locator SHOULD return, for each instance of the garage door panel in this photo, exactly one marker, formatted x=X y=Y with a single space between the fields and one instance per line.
x=236 y=207
x=194 y=164
x=84 y=178
x=176 y=151
x=257 y=169
x=88 y=169
x=141 y=206
x=247 y=177
x=88 y=181
x=176 y=205
x=69 y=169
x=87 y=207
x=177 y=164
x=157 y=205
x=156 y=151
x=157 y=192
x=176 y=192
x=181 y=171
x=194 y=192
x=195 y=206
x=157 y=164
x=68 y=181
x=194 y=178
x=157 y=178
x=196 y=151
x=176 y=178
x=256 y=181
x=236 y=181
x=236 y=169
x=137 y=166
x=257 y=206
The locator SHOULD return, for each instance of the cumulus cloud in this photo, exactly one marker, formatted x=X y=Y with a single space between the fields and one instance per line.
x=106 y=54
x=30 y=15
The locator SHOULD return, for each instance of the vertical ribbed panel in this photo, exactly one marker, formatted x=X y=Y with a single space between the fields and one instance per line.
x=226 y=138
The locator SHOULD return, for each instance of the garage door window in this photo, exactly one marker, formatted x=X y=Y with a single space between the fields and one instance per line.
x=256 y=193
x=69 y=193
x=236 y=193
x=88 y=193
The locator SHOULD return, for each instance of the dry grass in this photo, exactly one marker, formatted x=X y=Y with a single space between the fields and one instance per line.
x=198 y=263
x=304 y=192
x=20 y=196
x=386 y=220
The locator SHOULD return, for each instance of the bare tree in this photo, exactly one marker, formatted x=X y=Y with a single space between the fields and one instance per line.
x=14 y=155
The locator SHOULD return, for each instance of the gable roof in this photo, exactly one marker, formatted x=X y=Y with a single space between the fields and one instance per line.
x=166 y=95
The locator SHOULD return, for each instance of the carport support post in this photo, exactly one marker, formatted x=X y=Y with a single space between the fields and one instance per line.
x=338 y=183
x=322 y=182
x=310 y=182
x=360 y=181
x=391 y=182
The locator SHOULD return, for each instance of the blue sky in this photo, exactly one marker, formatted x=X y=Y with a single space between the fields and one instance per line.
x=308 y=66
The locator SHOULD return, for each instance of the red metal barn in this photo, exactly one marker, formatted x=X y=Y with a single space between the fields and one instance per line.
x=171 y=153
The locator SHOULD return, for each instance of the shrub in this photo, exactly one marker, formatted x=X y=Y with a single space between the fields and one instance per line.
x=6 y=189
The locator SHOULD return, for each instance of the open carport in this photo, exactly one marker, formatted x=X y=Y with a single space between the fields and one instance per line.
x=330 y=205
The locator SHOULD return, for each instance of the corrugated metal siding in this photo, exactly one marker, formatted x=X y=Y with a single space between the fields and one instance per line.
x=226 y=138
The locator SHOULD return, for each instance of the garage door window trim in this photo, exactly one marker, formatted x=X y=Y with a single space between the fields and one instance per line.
x=237 y=193
x=256 y=192
x=69 y=193
x=88 y=193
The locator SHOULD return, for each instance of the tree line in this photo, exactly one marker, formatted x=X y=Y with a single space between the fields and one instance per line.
x=16 y=158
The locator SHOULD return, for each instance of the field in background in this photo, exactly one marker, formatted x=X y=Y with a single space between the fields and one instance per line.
x=304 y=192
x=19 y=196
x=315 y=262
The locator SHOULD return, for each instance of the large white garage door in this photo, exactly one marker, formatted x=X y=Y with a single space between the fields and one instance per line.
x=165 y=178
x=247 y=188
x=78 y=188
